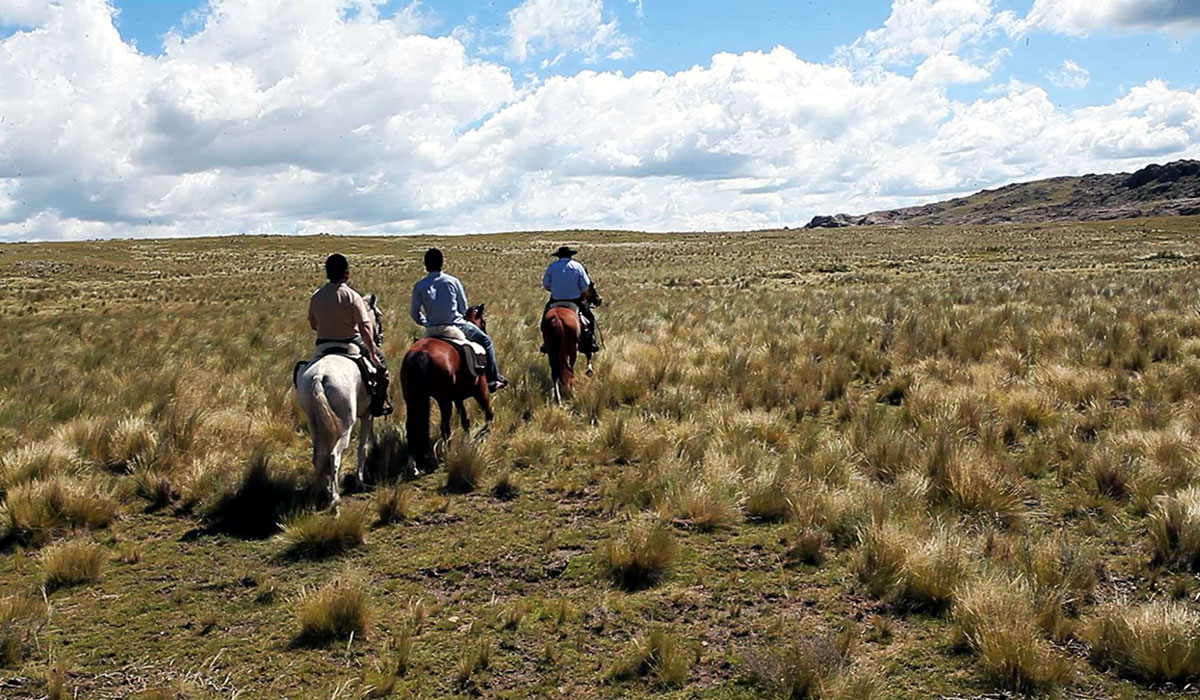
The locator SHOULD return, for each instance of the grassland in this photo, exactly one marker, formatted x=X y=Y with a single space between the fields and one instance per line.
x=857 y=463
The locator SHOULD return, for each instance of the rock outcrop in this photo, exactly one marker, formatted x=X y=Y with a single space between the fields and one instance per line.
x=1172 y=189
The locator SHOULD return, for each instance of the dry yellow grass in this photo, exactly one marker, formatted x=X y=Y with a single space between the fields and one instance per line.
x=785 y=428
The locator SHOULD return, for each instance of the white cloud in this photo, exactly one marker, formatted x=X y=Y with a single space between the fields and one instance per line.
x=1070 y=75
x=916 y=29
x=305 y=116
x=948 y=69
x=24 y=13
x=1082 y=17
x=562 y=27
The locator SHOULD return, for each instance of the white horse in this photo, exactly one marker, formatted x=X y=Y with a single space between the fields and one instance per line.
x=334 y=396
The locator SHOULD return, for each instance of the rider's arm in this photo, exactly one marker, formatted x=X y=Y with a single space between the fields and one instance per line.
x=585 y=282
x=546 y=280
x=414 y=309
x=462 y=299
x=312 y=317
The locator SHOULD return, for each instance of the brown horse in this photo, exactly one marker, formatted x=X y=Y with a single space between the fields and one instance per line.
x=433 y=369
x=561 y=331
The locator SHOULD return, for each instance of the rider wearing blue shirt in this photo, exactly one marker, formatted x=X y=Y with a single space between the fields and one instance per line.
x=439 y=299
x=568 y=280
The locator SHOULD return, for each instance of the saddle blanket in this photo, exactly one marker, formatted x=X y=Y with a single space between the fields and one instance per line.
x=471 y=351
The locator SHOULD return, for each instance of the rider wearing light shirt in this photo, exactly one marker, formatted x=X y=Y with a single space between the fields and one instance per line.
x=567 y=280
x=439 y=299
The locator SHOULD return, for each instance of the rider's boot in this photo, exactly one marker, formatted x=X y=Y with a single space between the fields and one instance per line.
x=380 y=405
x=588 y=341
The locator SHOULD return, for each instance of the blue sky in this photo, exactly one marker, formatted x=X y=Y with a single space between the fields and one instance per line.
x=394 y=117
x=672 y=35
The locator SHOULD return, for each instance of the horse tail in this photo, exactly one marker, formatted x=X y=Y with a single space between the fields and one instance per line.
x=555 y=332
x=328 y=421
x=414 y=373
x=552 y=336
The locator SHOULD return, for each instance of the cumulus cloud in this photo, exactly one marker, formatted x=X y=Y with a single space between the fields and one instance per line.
x=1082 y=17
x=917 y=29
x=323 y=115
x=563 y=27
x=24 y=13
x=1070 y=75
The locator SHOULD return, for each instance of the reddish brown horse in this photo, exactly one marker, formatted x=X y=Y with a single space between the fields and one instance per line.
x=433 y=369
x=561 y=331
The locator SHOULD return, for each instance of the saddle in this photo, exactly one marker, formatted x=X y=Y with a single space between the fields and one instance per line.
x=474 y=357
x=351 y=352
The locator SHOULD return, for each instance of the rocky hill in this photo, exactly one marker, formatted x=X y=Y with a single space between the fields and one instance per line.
x=1156 y=190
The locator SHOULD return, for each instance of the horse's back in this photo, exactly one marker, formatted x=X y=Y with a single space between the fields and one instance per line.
x=430 y=365
x=560 y=323
x=339 y=378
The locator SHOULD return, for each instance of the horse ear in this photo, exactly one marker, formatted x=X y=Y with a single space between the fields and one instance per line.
x=372 y=300
x=481 y=307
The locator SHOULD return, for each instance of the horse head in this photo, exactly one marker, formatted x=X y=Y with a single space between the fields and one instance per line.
x=372 y=302
x=592 y=296
x=475 y=316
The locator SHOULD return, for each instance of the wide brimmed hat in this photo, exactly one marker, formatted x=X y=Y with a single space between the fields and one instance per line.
x=565 y=251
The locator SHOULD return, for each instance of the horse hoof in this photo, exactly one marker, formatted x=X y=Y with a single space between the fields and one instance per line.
x=589 y=372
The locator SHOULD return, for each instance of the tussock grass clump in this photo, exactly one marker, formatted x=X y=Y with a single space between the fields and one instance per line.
x=393 y=504
x=38 y=461
x=20 y=619
x=71 y=563
x=109 y=443
x=807 y=547
x=658 y=656
x=387 y=457
x=1109 y=474
x=640 y=556
x=1175 y=528
x=809 y=666
x=768 y=501
x=323 y=534
x=618 y=440
x=1156 y=642
x=133 y=439
x=841 y=512
x=704 y=505
x=467 y=462
x=968 y=481
x=476 y=656
x=337 y=610
x=534 y=448
x=995 y=618
x=155 y=484
x=912 y=568
x=1025 y=412
x=34 y=512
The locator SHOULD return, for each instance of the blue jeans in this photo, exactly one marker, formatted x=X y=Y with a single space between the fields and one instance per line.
x=475 y=335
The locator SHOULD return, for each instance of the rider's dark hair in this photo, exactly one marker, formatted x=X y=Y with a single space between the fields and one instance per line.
x=336 y=267
x=433 y=260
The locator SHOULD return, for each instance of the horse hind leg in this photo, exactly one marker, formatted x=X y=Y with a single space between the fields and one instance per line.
x=366 y=437
x=462 y=416
x=589 y=370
